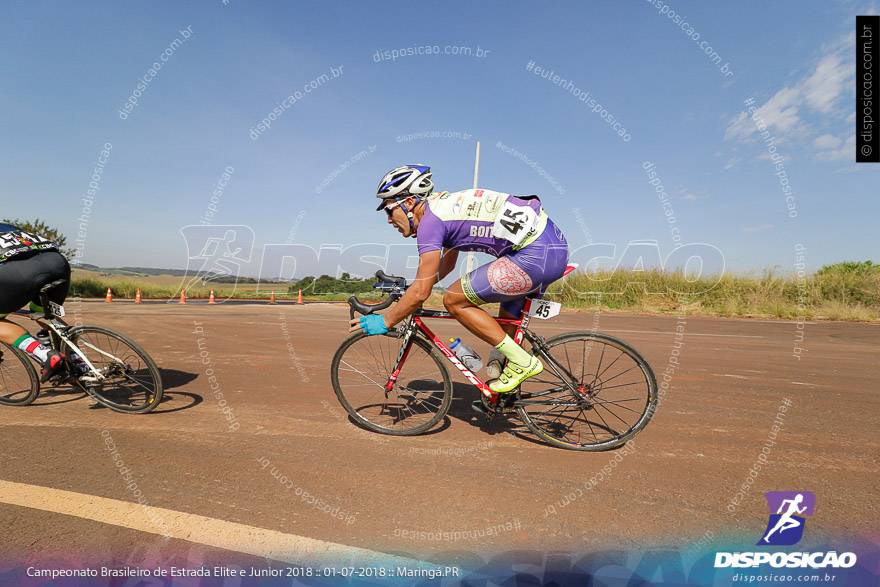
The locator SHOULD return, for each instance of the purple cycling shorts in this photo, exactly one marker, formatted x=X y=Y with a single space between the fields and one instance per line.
x=510 y=278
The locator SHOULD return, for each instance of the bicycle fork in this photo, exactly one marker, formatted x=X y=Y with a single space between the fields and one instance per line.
x=405 y=347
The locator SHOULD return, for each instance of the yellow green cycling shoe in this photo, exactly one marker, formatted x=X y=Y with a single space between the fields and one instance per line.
x=513 y=375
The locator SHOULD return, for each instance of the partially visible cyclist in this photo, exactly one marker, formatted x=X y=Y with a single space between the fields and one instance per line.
x=531 y=253
x=27 y=263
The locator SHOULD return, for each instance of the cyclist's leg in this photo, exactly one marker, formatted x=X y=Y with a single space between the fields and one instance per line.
x=22 y=279
x=465 y=308
x=12 y=297
x=10 y=331
x=502 y=281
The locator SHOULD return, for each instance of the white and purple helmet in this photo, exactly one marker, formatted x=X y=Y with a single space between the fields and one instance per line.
x=404 y=181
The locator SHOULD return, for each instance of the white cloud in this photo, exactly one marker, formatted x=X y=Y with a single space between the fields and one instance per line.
x=689 y=197
x=732 y=161
x=827 y=142
x=825 y=87
x=847 y=151
x=757 y=228
x=822 y=93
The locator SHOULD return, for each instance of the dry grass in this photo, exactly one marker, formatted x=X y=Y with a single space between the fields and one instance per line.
x=770 y=294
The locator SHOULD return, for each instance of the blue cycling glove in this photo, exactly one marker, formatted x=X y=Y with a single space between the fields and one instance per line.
x=373 y=324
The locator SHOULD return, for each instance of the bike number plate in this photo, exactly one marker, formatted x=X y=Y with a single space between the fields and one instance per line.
x=58 y=310
x=543 y=309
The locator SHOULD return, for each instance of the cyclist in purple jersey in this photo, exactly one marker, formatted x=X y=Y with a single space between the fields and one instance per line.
x=531 y=253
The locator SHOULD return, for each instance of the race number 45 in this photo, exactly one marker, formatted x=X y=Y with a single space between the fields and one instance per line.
x=514 y=223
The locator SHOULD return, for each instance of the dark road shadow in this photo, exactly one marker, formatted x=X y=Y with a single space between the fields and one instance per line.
x=171 y=379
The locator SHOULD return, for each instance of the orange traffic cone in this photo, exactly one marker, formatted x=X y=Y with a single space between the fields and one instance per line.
x=211 y=298
x=299 y=297
x=272 y=299
x=182 y=297
x=109 y=297
x=137 y=297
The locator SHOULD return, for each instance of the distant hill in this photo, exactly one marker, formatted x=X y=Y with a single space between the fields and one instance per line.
x=152 y=271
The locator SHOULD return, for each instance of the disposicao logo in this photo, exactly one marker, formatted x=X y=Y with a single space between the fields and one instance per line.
x=786 y=525
x=784 y=528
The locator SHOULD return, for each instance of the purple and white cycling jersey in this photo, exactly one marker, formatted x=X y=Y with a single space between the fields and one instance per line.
x=531 y=251
x=480 y=220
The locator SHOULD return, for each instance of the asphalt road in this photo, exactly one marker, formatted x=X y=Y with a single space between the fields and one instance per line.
x=466 y=491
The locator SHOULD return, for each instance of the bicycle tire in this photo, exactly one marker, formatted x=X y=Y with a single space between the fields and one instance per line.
x=549 y=430
x=15 y=375
x=388 y=412
x=138 y=366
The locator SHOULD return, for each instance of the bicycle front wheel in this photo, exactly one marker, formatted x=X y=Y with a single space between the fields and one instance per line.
x=130 y=382
x=19 y=384
x=615 y=398
x=419 y=398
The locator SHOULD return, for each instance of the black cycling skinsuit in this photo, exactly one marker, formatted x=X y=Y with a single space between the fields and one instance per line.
x=27 y=263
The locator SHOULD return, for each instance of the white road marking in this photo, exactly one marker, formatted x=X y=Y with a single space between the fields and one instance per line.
x=243 y=538
x=799 y=383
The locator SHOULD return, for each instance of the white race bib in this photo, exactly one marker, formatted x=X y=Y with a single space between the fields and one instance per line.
x=515 y=223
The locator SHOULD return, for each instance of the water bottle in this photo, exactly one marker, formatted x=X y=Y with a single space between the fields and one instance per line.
x=466 y=354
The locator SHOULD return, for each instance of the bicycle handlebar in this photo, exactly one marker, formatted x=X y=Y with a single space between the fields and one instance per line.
x=395 y=285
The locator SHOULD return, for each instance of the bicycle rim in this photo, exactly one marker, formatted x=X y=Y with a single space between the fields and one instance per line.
x=132 y=382
x=419 y=399
x=19 y=383
x=616 y=393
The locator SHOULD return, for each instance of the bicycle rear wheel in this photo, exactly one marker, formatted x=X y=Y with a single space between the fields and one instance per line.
x=616 y=393
x=420 y=397
x=19 y=383
x=132 y=382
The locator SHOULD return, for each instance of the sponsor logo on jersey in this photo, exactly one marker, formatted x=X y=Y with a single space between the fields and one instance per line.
x=559 y=234
x=457 y=205
x=481 y=231
x=493 y=202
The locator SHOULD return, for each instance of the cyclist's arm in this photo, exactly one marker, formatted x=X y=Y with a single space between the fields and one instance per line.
x=447 y=262
x=418 y=292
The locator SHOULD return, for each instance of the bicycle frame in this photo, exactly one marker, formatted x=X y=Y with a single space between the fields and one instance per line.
x=49 y=320
x=417 y=325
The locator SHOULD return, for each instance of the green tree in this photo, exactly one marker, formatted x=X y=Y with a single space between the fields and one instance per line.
x=41 y=228
x=856 y=267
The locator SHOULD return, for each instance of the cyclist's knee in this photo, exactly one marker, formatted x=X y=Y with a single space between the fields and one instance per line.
x=452 y=300
x=455 y=301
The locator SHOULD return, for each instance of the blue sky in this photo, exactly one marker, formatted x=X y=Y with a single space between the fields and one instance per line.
x=68 y=68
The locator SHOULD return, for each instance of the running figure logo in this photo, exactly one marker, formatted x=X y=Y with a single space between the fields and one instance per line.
x=786 y=525
x=216 y=253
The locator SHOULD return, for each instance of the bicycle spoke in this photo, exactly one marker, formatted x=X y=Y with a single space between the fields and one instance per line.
x=415 y=399
x=127 y=380
x=604 y=407
x=352 y=369
x=600 y=412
